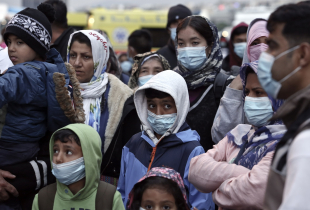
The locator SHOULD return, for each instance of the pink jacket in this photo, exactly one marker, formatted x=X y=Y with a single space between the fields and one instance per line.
x=233 y=186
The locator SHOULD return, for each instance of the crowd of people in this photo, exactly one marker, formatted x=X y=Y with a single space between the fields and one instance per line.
x=183 y=128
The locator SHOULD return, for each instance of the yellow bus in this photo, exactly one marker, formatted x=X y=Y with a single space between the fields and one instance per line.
x=119 y=24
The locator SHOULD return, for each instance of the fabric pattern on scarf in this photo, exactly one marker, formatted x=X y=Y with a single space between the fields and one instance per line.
x=92 y=91
x=136 y=67
x=205 y=75
x=167 y=173
x=259 y=141
x=256 y=29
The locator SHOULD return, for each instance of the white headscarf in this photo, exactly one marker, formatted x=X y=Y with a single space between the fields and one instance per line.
x=92 y=91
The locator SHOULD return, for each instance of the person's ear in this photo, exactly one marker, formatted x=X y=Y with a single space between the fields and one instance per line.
x=304 y=54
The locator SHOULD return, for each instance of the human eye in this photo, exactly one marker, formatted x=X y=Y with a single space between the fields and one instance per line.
x=148 y=207
x=195 y=43
x=180 y=44
x=87 y=57
x=8 y=41
x=69 y=152
x=56 y=151
x=166 y=207
x=167 y=106
x=151 y=106
x=259 y=93
x=247 y=92
x=72 y=55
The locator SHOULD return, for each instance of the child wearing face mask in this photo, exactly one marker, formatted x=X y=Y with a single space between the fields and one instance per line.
x=75 y=153
x=166 y=140
x=160 y=188
x=236 y=169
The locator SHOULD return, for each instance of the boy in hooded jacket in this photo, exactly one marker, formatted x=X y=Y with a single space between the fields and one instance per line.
x=166 y=140
x=75 y=154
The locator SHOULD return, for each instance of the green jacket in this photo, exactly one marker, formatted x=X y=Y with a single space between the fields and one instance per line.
x=85 y=198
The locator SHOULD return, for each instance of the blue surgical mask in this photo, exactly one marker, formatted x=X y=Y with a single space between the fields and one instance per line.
x=265 y=63
x=239 y=49
x=69 y=172
x=126 y=66
x=258 y=111
x=161 y=123
x=173 y=33
x=144 y=79
x=192 y=58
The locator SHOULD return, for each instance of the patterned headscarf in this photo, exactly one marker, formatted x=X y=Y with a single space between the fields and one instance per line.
x=92 y=91
x=136 y=67
x=165 y=173
x=205 y=75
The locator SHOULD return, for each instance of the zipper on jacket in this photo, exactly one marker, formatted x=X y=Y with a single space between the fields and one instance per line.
x=153 y=154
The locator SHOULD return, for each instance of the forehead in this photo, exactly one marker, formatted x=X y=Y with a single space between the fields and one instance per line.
x=152 y=62
x=188 y=32
x=277 y=36
x=252 y=81
x=12 y=36
x=77 y=46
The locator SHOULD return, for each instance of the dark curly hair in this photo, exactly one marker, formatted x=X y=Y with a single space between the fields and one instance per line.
x=157 y=183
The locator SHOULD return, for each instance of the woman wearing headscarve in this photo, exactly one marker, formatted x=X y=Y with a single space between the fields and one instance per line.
x=237 y=45
x=230 y=112
x=107 y=102
x=199 y=62
x=145 y=66
x=236 y=169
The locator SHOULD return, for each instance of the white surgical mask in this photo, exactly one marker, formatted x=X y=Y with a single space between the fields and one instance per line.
x=257 y=110
x=265 y=63
x=173 y=33
x=144 y=79
x=192 y=58
x=239 y=48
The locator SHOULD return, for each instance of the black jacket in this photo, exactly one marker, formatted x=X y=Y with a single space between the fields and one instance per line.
x=128 y=126
x=169 y=53
x=61 y=43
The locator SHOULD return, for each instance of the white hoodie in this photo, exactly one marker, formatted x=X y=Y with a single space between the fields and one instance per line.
x=169 y=82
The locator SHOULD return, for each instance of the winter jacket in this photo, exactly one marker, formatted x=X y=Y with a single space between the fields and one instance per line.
x=85 y=198
x=233 y=186
x=229 y=114
x=175 y=149
x=118 y=123
x=288 y=182
x=29 y=91
x=169 y=52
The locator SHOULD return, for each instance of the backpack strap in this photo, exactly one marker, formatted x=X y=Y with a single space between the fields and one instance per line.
x=219 y=86
x=46 y=197
x=105 y=196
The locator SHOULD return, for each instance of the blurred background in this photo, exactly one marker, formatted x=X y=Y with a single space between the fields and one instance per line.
x=118 y=18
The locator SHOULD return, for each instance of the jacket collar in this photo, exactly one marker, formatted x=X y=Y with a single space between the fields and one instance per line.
x=293 y=107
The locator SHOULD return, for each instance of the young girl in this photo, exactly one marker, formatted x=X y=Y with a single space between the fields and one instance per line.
x=160 y=188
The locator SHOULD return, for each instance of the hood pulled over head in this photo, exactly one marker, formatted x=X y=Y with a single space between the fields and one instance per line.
x=171 y=83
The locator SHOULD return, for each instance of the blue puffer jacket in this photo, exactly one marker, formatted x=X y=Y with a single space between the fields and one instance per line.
x=29 y=91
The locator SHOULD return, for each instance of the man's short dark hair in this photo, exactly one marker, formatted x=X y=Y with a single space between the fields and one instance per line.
x=152 y=93
x=296 y=18
x=141 y=41
x=60 y=13
x=66 y=135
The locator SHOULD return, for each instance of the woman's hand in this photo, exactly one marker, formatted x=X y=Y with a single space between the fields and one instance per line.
x=5 y=187
x=236 y=83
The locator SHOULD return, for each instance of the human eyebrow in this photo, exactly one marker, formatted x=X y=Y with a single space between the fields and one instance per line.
x=272 y=43
x=193 y=38
x=69 y=147
x=257 y=88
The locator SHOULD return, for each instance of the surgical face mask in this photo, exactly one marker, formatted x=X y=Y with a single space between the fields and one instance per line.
x=69 y=172
x=239 y=49
x=256 y=51
x=265 y=63
x=161 y=123
x=173 y=33
x=257 y=110
x=126 y=66
x=144 y=79
x=192 y=58
x=141 y=208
